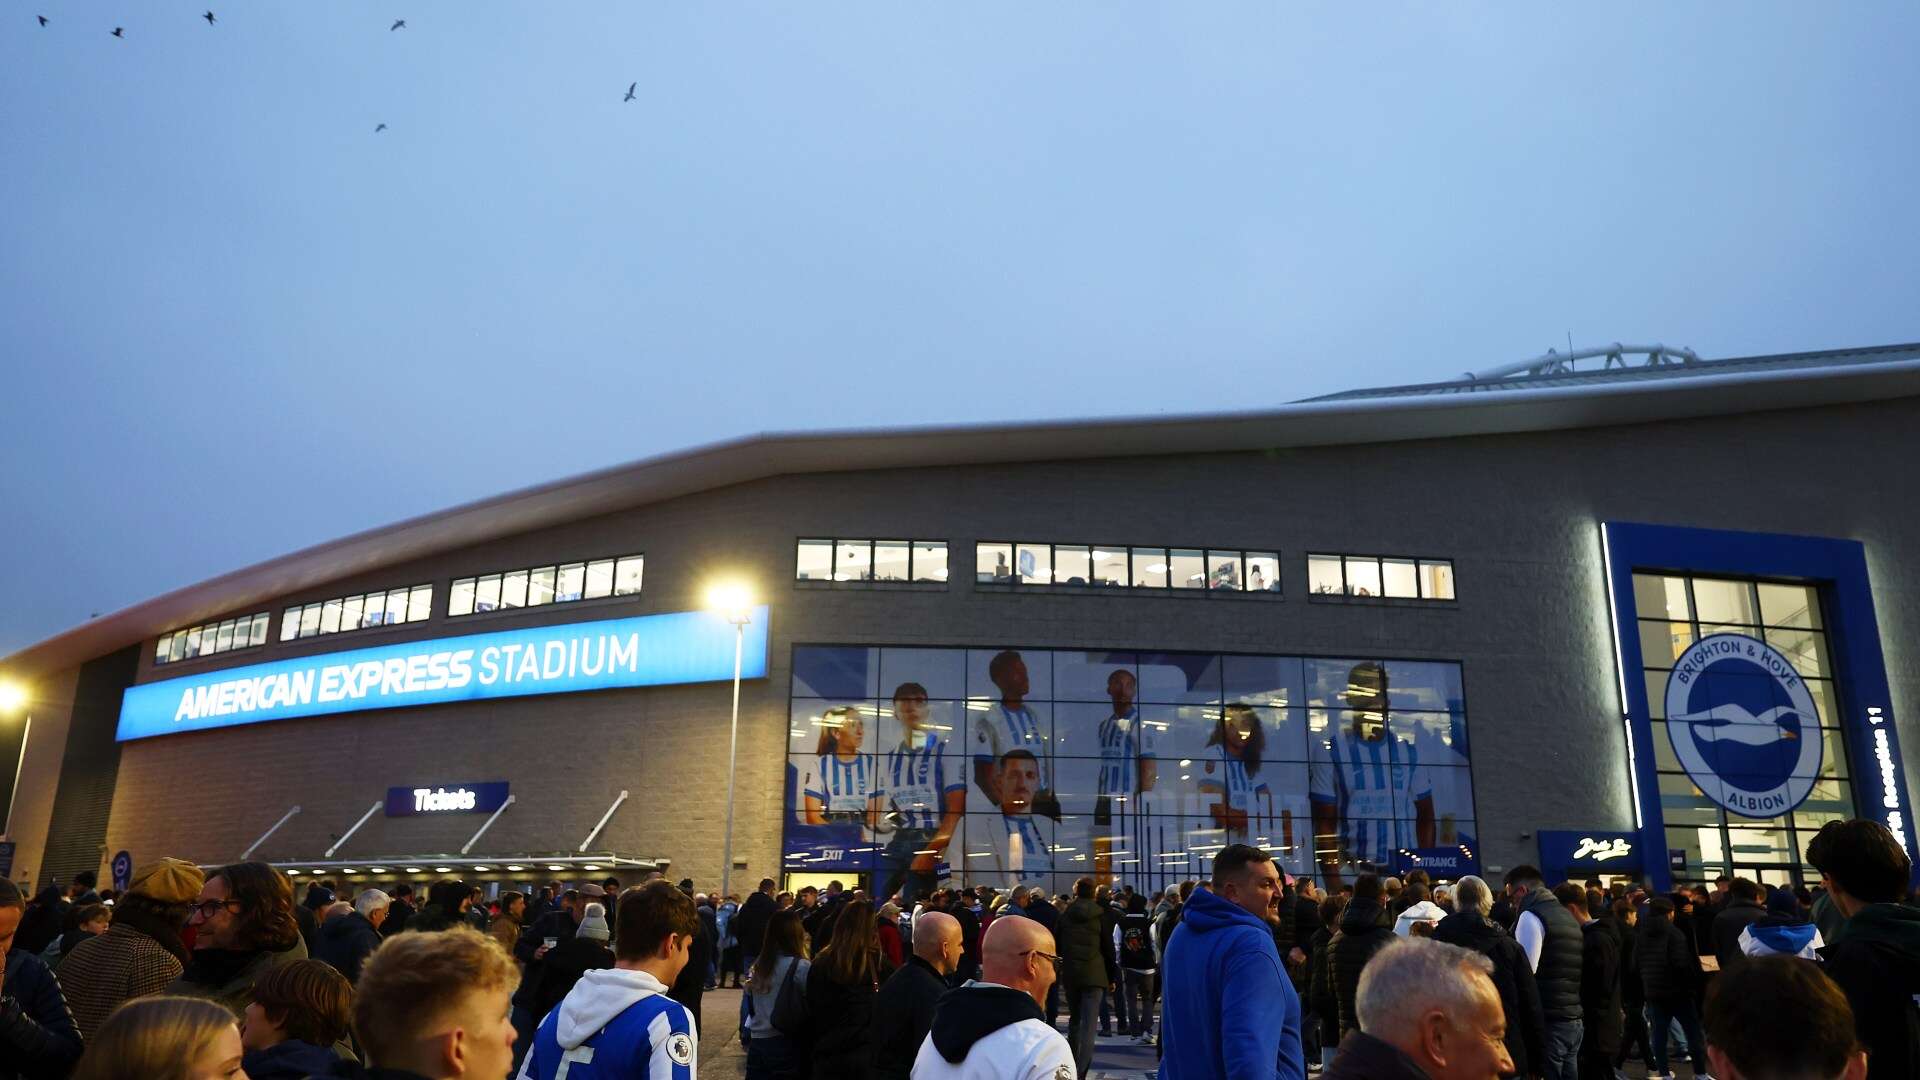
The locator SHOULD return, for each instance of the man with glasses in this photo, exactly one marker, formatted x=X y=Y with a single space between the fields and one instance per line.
x=993 y=1028
x=243 y=924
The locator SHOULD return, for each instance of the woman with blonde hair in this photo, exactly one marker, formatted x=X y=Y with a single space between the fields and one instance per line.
x=164 y=1038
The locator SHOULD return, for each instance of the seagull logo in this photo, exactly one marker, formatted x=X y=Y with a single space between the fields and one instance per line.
x=1731 y=722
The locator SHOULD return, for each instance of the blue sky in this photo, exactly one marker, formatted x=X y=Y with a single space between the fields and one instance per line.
x=235 y=321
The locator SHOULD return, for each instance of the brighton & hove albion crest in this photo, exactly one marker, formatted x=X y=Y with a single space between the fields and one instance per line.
x=1743 y=725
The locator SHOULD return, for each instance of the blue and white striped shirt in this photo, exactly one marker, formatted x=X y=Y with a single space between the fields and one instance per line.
x=914 y=776
x=1000 y=730
x=841 y=786
x=1374 y=783
x=1124 y=742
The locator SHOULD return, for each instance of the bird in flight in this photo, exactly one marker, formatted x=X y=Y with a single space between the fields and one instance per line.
x=42 y=18
x=630 y=87
x=398 y=24
x=379 y=129
x=209 y=17
x=119 y=31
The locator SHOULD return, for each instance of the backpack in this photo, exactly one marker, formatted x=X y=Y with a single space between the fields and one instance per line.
x=790 y=1005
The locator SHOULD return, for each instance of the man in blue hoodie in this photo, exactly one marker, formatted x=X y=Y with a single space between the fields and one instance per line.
x=1229 y=1011
x=618 y=1022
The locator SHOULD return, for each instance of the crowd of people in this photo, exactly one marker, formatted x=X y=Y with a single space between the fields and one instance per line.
x=215 y=974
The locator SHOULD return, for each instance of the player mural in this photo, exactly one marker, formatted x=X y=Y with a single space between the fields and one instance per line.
x=912 y=766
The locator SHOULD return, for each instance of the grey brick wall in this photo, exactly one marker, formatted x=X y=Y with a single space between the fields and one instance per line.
x=1519 y=515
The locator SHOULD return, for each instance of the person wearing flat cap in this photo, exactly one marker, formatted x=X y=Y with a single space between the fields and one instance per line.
x=141 y=951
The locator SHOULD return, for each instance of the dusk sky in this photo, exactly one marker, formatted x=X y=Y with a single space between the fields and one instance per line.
x=237 y=321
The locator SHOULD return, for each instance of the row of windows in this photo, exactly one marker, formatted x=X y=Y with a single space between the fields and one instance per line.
x=539 y=585
x=1380 y=575
x=346 y=613
x=1113 y=566
x=884 y=561
x=241 y=633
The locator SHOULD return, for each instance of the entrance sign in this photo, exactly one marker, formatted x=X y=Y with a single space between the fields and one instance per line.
x=1743 y=725
x=651 y=650
x=482 y=798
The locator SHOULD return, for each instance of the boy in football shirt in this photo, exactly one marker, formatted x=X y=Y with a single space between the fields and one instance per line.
x=1010 y=725
x=1365 y=782
x=924 y=802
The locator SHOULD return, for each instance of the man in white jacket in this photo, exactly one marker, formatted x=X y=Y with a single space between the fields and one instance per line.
x=993 y=1028
x=618 y=1022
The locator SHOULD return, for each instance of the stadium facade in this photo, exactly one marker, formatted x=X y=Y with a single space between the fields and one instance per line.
x=1652 y=616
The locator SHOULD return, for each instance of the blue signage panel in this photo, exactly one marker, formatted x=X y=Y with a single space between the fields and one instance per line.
x=651 y=650
x=480 y=798
x=122 y=866
x=1438 y=862
x=1563 y=851
x=1743 y=725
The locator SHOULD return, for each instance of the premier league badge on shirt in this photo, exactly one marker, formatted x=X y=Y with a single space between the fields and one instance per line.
x=1743 y=725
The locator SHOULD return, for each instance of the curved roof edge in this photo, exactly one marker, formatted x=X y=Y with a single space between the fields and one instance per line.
x=755 y=457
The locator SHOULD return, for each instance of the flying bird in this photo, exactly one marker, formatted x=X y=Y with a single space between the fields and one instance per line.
x=42 y=18
x=398 y=24
x=630 y=87
x=119 y=31
x=209 y=17
x=379 y=129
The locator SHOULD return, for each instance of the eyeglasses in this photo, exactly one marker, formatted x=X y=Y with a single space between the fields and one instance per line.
x=207 y=909
x=1057 y=960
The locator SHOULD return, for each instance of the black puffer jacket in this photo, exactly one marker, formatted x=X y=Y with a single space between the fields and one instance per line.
x=1519 y=995
x=1320 y=999
x=1360 y=936
x=1558 y=971
x=1600 y=986
x=840 y=1024
x=1669 y=968
x=37 y=1034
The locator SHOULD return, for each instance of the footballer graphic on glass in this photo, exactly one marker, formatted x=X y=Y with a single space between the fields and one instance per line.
x=1128 y=770
x=1008 y=725
x=1366 y=784
x=917 y=798
x=1237 y=797
x=838 y=785
x=1020 y=851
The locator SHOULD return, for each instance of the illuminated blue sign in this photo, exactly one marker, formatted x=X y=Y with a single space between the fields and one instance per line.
x=652 y=650
x=482 y=798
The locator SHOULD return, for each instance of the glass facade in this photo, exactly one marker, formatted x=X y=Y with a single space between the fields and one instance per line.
x=243 y=632
x=558 y=584
x=1393 y=577
x=1035 y=766
x=870 y=562
x=1037 y=563
x=1705 y=839
x=342 y=614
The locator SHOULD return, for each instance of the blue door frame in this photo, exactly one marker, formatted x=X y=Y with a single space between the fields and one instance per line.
x=1839 y=569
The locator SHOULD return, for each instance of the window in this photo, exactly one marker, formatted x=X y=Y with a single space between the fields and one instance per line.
x=872 y=562
x=242 y=632
x=342 y=614
x=615 y=575
x=1395 y=577
x=1200 y=570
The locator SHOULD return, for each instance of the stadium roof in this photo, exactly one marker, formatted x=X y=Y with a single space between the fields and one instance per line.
x=1535 y=401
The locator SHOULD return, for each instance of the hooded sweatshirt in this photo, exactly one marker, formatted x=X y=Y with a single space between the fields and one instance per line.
x=1875 y=959
x=1229 y=1008
x=985 y=1031
x=612 y=1025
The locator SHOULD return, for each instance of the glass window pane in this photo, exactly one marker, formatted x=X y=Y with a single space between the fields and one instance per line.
x=853 y=560
x=1263 y=571
x=930 y=560
x=460 y=599
x=161 y=647
x=309 y=620
x=1150 y=568
x=1661 y=643
x=289 y=625
x=814 y=561
x=513 y=589
x=1187 y=568
x=993 y=563
x=419 y=603
x=1436 y=580
x=1034 y=563
x=599 y=578
x=891 y=560
x=330 y=617
x=627 y=574
x=1658 y=597
x=1790 y=605
x=1324 y=575
x=540 y=585
x=1363 y=576
x=259 y=629
x=1805 y=649
x=193 y=643
x=570 y=582
x=396 y=606
x=1725 y=601
x=1400 y=578
x=1110 y=565
x=486 y=593
x=376 y=609
x=223 y=637
x=1223 y=570
x=350 y=611
x=1072 y=564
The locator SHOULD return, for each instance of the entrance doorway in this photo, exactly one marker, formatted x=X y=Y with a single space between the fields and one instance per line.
x=1772 y=876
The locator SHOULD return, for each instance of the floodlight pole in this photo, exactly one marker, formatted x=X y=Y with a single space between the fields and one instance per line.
x=739 y=619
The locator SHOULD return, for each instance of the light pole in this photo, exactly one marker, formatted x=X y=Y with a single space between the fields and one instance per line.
x=12 y=699
x=738 y=606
